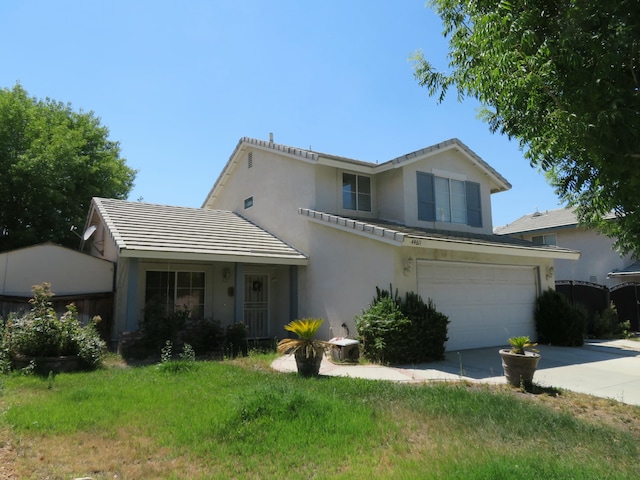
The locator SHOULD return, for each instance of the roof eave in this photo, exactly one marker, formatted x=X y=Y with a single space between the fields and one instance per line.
x=215 y=257
x=501 y=184
x=487 y=248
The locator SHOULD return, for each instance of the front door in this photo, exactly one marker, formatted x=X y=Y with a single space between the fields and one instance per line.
x=256 y=305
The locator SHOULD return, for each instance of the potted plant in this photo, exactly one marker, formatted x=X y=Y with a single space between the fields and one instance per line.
x=520 y=361
x=307 y=350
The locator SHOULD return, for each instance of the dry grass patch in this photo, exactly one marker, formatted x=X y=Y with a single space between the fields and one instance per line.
x=83 y=454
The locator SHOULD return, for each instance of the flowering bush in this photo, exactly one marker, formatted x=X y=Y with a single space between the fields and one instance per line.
x=40 y=333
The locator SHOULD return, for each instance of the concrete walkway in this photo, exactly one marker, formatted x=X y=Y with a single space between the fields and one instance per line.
x=609 y=369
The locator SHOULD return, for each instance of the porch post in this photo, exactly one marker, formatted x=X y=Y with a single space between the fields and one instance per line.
x=132 y=295
x=293 y=292
x=238 y=305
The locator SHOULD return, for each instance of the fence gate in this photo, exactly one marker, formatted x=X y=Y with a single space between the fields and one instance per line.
x=593 y=297
x=626 y=297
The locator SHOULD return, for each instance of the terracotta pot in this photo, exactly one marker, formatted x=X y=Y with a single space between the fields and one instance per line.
x=44 y=365
x=309 y=366
x=519 y=369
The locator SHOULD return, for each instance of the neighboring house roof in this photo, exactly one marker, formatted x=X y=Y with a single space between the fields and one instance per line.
x=539 y=221
x=531 y=222
x=146 y=230
x=629 y=271
x=499 y=183
x=440 y=239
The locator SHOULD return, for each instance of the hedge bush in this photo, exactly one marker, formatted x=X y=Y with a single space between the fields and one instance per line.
x=40 y=333
x=606 y=324
x=159 y=326
x=558 y=322
x=395 y=331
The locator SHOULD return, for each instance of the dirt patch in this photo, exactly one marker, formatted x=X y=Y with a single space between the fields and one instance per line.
x=597 y=410
x=7 y=462
x=86 y=455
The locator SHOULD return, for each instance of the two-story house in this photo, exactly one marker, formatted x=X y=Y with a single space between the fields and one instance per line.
x=420 y=222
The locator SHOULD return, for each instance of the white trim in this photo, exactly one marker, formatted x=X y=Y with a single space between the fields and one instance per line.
x=450 y=175
x=212 y=257
x=487 y=248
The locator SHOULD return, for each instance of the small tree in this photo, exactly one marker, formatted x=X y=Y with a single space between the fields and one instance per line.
x=562 y=78
x=53 y=160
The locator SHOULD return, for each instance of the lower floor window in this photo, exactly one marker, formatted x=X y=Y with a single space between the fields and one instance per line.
x=176 y=290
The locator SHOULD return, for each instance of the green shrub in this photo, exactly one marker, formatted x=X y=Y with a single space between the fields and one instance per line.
x=606 y=324
x=5 y=342
x=235 y=340
x=383 y=331
x=203 y=335
x=158 y=325
x=40 y=333
x=185 y=362
x=558 y=322
x=397 y=331
x=430 y=327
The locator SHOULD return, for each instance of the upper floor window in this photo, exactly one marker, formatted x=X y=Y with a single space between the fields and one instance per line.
x=356 y=192
x=248 y=202
x=447 y=200
x=549 y=239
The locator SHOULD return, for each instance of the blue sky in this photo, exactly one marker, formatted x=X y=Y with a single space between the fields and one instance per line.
x=178 y=83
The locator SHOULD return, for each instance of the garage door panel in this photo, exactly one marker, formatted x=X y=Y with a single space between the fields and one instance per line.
x=485 y=304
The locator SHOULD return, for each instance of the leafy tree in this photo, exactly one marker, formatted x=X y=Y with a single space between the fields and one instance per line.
x=53 y=160
x=563 y=78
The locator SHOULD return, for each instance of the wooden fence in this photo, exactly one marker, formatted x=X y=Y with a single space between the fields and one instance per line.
x=88 y=305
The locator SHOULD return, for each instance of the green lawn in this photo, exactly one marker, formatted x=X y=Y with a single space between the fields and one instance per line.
x=237 y=419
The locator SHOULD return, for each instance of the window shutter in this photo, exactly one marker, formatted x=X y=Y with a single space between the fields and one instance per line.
x=474 y=207
x=426 y=197
x=250 y=159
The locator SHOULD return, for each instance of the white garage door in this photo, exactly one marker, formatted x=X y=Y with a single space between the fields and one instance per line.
x=486 y=304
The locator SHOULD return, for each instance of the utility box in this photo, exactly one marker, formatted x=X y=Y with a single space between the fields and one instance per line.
x=344 y=349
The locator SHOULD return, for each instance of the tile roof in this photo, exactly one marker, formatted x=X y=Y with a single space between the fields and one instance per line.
x=402 y=235
x=562 y=217
x=547 y=220
x=454 y=142
x=149 y=230
x=629 y=270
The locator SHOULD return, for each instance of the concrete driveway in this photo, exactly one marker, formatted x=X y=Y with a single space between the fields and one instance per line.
x=609 y=369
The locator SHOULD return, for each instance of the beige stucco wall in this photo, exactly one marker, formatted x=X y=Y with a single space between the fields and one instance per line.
x=345 y=269
x=390 y=201
x=341 y=277
x=69 y=272
x=276 y=196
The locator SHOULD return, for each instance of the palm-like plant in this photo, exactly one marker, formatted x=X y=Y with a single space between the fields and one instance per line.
x=305 y=344
x=519 y=345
